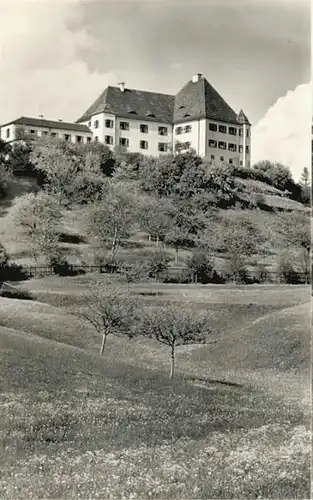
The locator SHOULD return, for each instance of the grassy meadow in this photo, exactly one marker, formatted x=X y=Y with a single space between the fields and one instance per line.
x=234 y=422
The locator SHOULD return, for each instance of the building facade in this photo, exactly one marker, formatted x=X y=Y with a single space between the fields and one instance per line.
x=197 y=118
x=155 y=124
x=38 y=127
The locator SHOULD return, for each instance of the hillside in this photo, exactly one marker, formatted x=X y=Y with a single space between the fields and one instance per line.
x=77 y=248
x=75 y=424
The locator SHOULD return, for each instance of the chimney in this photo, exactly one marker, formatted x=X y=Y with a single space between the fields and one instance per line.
x=196 y=77
x=59 y=120
x=121 y=86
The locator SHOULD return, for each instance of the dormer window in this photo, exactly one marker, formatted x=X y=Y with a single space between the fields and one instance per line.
x=150 y=114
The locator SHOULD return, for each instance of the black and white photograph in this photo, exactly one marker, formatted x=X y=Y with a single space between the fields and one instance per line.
x=155 y=249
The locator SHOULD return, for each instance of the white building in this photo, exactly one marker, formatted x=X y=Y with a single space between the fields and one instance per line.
x=37 y=127
x=153 y=124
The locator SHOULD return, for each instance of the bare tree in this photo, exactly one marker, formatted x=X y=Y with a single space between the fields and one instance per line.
x=110 y=310
x=174 y=325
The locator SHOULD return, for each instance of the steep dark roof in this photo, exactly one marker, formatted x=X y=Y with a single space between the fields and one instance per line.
x=41 y=122
x=130 y=103
x=200 y=100
x=193 y=101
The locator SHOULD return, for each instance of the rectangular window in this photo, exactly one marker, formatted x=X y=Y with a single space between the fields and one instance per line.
x=108 y=139
x=232 y=131
x=162 y=146
x=212 y=143
x=44 y=132
x=247 y=132
x=222 y=158
x=187 y=145
x=240 y=149
x=212 y=157
x=240 y=132
x=124 y=126
x=89 y=124
x=247 y=149
x=34 y=132
x=213 y=127
x=222 y=129
x=230 y=161
x=188 y=129
x=78 y=138
x=96 y=124
x=67 y=137
x=96 y=138
x=143 y=128
x=241 y=163
x=143 y=144
x=178 y=130
x=124 y=141
x=88 y=140
x=232 y=147
x=162 y=130
x=8 y=133
x=222 y=145
x=53 y=134
x=108 y=124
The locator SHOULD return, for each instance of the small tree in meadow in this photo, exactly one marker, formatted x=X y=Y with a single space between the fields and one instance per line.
x=200 y=264
x=38 y=217
x=174 y=325
x=295 y=229
x=110 y=311
x=158 y=264
x=112 y=218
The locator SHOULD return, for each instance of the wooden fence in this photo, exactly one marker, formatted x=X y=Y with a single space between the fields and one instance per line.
x=221 y=275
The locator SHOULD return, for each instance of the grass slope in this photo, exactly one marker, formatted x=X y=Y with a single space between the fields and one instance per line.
x=233 y=424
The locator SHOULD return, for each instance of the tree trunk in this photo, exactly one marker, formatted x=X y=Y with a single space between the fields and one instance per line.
x=157 y=241
x=114 y=245
x=176 y=255
x=104 y=338
x=149 y=237
x=172 y=362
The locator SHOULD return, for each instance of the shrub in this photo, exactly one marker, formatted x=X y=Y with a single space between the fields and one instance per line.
x=13 y=272
x=158 y=264
x=200 y=265
x=133 y=272
x=62 y=267
x=11 y=292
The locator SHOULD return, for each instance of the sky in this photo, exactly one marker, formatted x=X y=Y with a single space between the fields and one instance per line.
x=56 y=57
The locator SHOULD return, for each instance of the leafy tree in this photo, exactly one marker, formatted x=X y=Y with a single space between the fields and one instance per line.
x=4 y=257
x=178 y=237
x=155 y=216
x=110 y=310
x=5 y=177
x=73 y=173
x=200 y=265
x=112 y=218
x=174 y=325
x=305 y=186
x=295 y=230
x=38 y=217
x=158 y=264
x=239 y=239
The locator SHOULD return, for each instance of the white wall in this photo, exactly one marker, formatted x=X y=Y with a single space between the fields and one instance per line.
x=133 y=134
x=196 y=136
x=39 y=131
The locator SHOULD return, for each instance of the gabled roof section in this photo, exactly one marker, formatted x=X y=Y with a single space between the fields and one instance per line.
x=41 y=122
x=132 y=103
x=242 y=118
x=200 y=100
